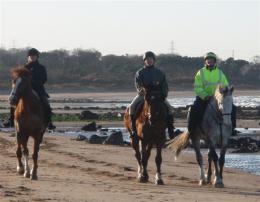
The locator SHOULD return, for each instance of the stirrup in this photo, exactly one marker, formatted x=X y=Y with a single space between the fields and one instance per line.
x=8 y=124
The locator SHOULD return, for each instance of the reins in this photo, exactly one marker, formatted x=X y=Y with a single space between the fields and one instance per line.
x=219 y=120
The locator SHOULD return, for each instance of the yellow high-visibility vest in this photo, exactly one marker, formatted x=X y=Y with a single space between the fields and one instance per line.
x=207 y=80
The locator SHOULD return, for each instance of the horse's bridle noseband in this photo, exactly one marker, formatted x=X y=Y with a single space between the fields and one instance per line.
x=220 y=115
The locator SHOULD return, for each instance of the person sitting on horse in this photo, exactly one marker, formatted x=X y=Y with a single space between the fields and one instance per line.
x=156 y=80
x=206 y=81
x=38 y=79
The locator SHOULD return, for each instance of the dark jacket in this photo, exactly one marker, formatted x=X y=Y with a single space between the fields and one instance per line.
x=154 y=78
x=39 y=77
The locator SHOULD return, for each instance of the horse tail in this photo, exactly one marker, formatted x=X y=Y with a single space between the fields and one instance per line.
x=179 y=143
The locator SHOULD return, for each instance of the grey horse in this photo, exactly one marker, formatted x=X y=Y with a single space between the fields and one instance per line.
x=215 y=129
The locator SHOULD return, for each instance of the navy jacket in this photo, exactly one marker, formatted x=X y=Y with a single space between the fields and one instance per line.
x=153 y=77
x=39 y=77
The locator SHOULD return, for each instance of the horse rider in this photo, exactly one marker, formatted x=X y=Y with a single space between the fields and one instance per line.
x=206 y=81
x=38 y=79
x=153 y=77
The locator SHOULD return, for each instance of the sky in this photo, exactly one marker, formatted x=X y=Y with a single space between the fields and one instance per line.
x=188 y=28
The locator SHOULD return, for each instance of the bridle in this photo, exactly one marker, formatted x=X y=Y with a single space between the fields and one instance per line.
x=218 y=118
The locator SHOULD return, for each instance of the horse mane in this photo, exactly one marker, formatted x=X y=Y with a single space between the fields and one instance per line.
x=222 y=91
x=20 y=72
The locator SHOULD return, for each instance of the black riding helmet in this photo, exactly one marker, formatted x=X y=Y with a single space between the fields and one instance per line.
x=148 y=54
x=33 y=51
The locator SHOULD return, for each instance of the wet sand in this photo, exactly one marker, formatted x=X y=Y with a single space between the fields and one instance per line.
x=77 y=171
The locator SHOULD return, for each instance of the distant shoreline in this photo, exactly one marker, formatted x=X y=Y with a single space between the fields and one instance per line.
x=98 y=93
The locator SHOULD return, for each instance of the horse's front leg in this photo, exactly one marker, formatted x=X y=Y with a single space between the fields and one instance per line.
x=217 y=180
x=145 y=153
x=196 y=144
x=20 y=168
x=158 y=161
x=209 y=173
x=25 y=156
x=222 y=161
x=36 y=148
x=135 y=145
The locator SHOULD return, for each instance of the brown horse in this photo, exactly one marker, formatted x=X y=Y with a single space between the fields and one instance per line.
x=151 y=125
x=29 y=120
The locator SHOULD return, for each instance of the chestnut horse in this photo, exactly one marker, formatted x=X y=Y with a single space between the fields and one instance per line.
x=151 y=125
x=29 y=120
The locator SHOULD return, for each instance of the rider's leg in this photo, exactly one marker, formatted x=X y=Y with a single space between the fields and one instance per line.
x=132 y=111
x=233 y=119
x=196 y=113
x=170 y=119
x=48 y=111
x=10 y=121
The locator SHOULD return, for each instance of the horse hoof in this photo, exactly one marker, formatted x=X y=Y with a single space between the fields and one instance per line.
x=202 y=182
x=219 y=185
x=208 y=181
x=26 y=174
x=143 y=179
x=33 y=177
x=159 y=182
x=20 y=171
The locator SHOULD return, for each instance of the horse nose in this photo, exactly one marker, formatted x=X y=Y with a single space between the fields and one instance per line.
x=12 y=100
x=152 y=122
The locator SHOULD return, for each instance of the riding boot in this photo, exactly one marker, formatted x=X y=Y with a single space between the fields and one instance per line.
x=49 y=115
x=51 y=126
x=170 y=126
x=191 y=119
x=196 y=113
x=233 y=120
x=134 y=135
x=10 y=122
x=48 y=112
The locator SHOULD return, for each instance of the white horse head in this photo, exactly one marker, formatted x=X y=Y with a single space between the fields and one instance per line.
x=224 y=100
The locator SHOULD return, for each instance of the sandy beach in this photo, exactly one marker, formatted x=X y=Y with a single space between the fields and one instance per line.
x=70 y=170
x=77 y=171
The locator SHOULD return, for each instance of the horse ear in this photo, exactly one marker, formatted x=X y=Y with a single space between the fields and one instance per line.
x=225 y=90
x=220 y=88
x=13 y=73
x=231 y=88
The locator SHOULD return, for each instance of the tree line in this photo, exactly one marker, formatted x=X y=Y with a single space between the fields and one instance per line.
x=90 y=69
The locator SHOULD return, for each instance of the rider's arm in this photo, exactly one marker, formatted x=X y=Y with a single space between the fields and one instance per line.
x=198 y=87
x=165 y=88
x=138 y=82
x=39 y=78
x=224 y=80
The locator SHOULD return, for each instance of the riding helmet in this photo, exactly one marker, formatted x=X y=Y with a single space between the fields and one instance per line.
x=148 y=54
x=33 y=51
x=210 y=55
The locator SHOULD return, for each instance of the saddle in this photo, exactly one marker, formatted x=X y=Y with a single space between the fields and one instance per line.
x=138 y=109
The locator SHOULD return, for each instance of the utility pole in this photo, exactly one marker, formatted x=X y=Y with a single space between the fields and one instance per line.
x=13 y=44
x=233 y=54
